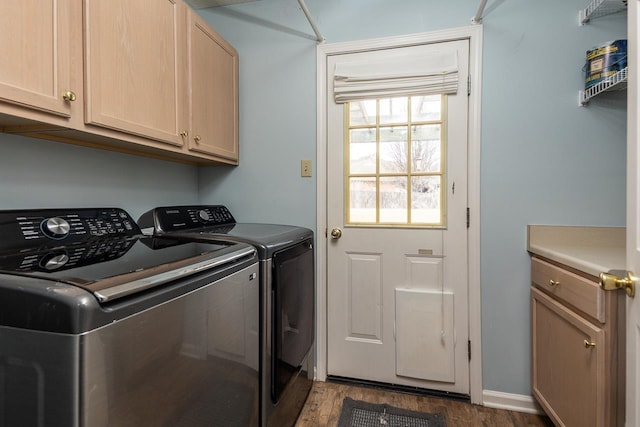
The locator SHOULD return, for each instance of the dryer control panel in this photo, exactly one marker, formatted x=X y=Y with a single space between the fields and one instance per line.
x=184 y=218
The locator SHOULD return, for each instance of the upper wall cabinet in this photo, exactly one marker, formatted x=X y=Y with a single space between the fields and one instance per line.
x=145 y=77
x=213 y=74
x=133 y=67
x=36 y=52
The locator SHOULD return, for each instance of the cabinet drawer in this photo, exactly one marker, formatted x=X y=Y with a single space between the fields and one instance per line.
x=577 y=291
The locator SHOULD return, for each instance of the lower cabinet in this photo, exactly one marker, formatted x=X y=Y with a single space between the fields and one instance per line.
x=578 y=373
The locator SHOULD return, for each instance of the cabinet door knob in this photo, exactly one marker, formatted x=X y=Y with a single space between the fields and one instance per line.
x=553 y=283
x=184 y=133
x=197 y=139
x=589 y=344
x=69 y=96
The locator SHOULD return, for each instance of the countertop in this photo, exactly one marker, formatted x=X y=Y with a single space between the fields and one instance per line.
x=592 y=250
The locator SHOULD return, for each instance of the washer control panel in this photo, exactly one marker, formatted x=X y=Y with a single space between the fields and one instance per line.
x=53 y=227
x=183 y=218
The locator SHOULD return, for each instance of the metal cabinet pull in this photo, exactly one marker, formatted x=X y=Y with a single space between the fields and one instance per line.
x=69 y=96
x=589 y=344
x=553 y=283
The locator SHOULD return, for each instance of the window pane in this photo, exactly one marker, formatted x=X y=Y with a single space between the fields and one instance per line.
x=425 y=149
x=362 y=151
x=425 y=200
x=362 y=195
x=362 y=112
x=393 y=200
x=397 y=149
x=393 y=149
x=394 y=110
x=426 y=108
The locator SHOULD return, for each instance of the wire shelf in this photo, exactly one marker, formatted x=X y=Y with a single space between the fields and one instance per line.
x=616 y=82
x=598 y=8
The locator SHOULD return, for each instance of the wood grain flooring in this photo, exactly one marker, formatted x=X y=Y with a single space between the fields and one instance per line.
x=322 y=408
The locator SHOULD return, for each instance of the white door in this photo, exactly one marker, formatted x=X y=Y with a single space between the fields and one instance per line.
x=397 y=296
x=633 y=220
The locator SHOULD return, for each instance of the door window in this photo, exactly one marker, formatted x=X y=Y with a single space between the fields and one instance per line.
x=395 y=168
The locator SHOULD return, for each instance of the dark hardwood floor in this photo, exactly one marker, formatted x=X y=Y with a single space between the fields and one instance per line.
x=325 y=401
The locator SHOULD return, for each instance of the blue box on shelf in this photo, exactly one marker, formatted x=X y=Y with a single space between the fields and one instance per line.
x=604 y=61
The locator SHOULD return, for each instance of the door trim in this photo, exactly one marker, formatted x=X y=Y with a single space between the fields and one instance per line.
x=474 y=35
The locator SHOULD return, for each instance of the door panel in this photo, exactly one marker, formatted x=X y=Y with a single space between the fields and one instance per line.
x=568 y=377
x=36 y=47
x=142 y=64
x=400 y=263
x=213 y=75
x=415 y=343
x=364 y=296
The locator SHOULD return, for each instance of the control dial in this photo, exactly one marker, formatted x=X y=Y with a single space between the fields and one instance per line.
x=54 y=261
x=203 y=215
x=56 y=227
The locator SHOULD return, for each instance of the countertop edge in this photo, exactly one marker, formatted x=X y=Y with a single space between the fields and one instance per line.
x=591 y=250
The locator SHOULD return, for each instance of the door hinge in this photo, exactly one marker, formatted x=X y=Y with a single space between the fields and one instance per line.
x=469 y=85
x=469 y=349
x=468 y=217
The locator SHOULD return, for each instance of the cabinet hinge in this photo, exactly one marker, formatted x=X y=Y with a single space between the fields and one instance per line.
x=468 y=217
x=469 y=349
x=469 y=85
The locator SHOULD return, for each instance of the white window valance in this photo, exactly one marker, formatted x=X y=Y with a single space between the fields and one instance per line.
x=396 y=75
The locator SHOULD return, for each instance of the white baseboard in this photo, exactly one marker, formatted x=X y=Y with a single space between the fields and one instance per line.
x=511 y=402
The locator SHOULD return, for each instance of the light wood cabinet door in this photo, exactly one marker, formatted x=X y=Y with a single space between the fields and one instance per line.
x=133 y=65
x=213 y=84
x=36 y=54
x=568 y=364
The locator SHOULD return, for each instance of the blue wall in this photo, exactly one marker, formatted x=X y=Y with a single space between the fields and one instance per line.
x=45 y=174
x=544 y=159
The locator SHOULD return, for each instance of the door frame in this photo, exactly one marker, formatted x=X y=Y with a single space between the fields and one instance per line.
x=474 y=35
x=632 y=415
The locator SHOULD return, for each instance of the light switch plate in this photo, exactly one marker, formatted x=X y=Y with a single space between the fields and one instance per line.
x=305 y=168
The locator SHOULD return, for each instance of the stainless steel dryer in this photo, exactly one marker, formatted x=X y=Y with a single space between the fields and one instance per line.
x=287 y=280
x=101 y=326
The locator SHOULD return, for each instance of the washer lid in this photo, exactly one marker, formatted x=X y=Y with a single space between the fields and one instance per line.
x=114 y=268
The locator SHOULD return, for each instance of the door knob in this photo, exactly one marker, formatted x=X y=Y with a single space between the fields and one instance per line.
x=336 y=233
x=611 y=282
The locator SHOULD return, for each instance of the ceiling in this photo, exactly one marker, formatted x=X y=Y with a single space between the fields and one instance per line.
x=200 y=4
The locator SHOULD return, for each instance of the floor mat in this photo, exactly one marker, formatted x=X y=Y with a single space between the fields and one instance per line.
x=356 y=413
